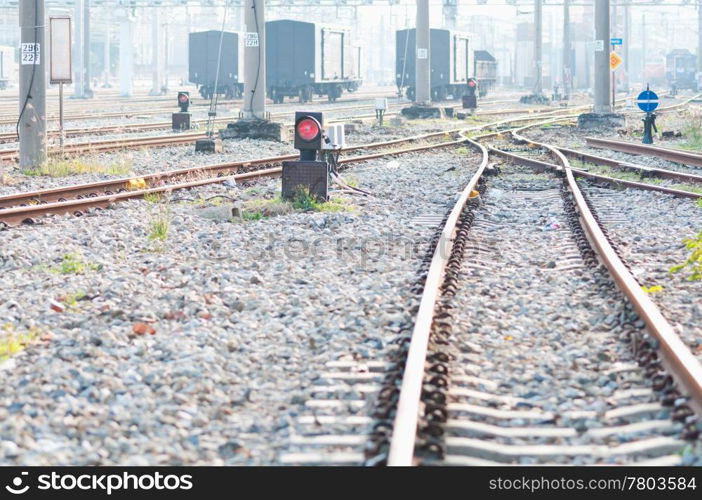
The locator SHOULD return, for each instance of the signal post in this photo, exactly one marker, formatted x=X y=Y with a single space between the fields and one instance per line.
x=32 y=83
x=422 y=101
x=254 y=121
x=603 y=115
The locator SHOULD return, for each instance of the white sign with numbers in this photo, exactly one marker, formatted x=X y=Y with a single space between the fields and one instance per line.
x=422 y=53
x=31 y=53
x=251 y=39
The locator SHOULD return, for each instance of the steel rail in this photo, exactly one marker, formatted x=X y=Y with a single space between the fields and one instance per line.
x=408 y=407
x=15 y=215
x=677 y=357
x=90 y=189
x=674 y=155
x=632 y=167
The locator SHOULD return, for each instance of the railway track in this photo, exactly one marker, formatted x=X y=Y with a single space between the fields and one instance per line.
x=674 y=155
x=25 y=207
x=166 y=125
x=472 y=419
x=450 y=396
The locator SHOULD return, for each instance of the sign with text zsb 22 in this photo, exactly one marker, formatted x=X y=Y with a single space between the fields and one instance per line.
x=647 y=101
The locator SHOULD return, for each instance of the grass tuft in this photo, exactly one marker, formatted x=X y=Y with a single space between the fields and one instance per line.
x=65 y=167
x=72 y=263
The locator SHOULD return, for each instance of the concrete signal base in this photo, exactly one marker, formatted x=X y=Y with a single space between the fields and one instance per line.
x=420 y=112
x=209 y=146
x=256 y=129
x=601 y=120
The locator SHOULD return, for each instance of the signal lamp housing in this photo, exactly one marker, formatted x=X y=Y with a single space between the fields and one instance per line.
x=184 y=101
x=308 y=130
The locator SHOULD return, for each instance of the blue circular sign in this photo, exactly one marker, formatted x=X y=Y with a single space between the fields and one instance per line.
x=647 y=101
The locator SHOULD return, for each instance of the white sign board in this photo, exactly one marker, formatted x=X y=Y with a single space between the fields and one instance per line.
x=60 y=70
x=599 y=45
x=422 y=53
x=31 y=53
x=251 y=39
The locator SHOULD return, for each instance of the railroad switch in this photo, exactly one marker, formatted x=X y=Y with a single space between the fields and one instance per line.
x=649 y=126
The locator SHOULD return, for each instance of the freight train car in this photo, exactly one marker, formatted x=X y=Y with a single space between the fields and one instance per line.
x=305 y=58
x=8 y=67
x=202 y=63
x=485 y=71
x=451 y=62
x=680 y=69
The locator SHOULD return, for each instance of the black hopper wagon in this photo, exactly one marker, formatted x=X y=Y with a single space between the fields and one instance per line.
x=303 y=59
x=451 y=61
x=681 y=69
x=202 y=63
x=485 y=71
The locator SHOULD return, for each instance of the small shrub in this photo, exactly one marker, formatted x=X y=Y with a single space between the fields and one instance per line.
x=159 y=226
x=72 y=263
x=694 y=260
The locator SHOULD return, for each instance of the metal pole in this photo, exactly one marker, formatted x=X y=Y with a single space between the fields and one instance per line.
x=625 y=48
x=86 y=48
x=255 y=60
x=106 y=53
x=32 y=80
x=126 y=65
x=699 y=35
x=602 y=81
x=643 y=47
x=79 y=70
x=538 y=34
x=423 y=75
x=62 y=133
x=165 y=57
x=156 y=52
x=567 y=70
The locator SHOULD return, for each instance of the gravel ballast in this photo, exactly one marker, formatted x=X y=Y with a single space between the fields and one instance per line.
x=244 y=317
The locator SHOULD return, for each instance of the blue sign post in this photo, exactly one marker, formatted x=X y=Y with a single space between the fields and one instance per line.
x=616 y=41
x=648 y=102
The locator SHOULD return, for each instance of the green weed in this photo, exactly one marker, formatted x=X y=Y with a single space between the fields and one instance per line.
x=694 y=260
x=12 y=341
x=60 y=167
x=72 y=263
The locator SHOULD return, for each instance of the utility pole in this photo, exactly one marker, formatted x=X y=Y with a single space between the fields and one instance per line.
x=126 y=62
x=423 y=75
x=699 y=35
x=86 y=48
x=156 y=52
x=627 y=42
x=602 y=71
x=32 y=80
x=79 y=79
x=106 y=52
x=255 y=60
x=567 y=70
x=538 y=42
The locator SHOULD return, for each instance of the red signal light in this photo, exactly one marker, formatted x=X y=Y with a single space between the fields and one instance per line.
x=183 y=98
x=471 y=83
x=308 y=129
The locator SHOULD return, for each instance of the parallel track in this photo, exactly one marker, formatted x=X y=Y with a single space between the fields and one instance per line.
x=665 y=353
